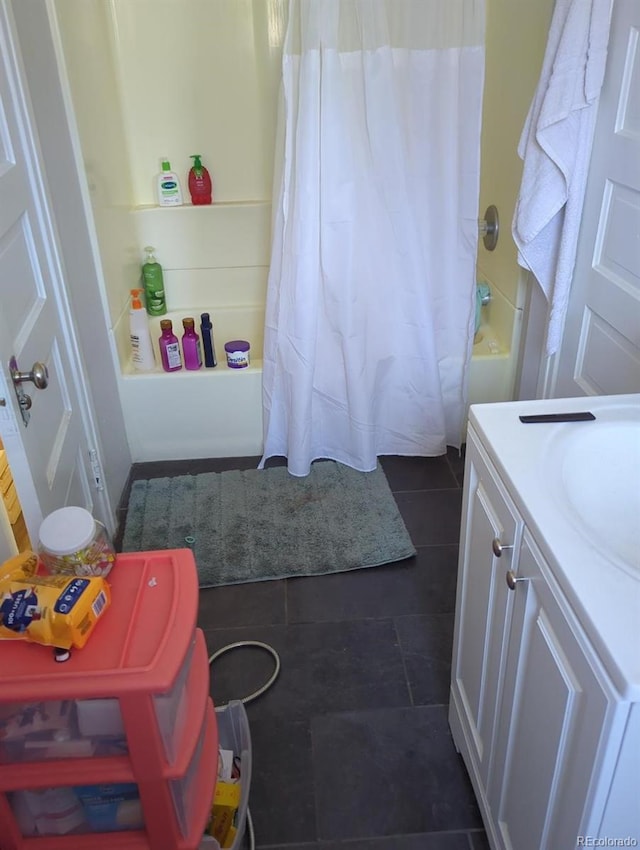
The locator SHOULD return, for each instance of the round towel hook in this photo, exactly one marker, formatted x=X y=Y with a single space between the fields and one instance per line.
x=489 y=226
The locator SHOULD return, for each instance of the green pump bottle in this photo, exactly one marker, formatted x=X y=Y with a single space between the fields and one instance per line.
x=153 y=283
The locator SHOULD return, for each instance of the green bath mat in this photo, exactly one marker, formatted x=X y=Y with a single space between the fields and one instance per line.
x=256 y=525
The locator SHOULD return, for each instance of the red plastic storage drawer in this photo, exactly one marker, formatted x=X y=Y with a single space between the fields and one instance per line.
x=116 y=748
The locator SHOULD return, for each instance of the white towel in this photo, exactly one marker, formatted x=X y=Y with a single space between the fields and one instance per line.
x=556 y=148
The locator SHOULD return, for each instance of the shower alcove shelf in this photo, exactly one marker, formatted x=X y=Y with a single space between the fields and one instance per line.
x=215 y=259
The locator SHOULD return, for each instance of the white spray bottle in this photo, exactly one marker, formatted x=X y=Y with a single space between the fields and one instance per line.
x=141 y=345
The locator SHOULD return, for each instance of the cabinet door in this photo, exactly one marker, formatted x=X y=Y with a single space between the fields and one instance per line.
x=482 y=609
x=552 y=719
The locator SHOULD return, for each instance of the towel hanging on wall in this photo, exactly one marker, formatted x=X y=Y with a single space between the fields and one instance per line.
x=556 y=148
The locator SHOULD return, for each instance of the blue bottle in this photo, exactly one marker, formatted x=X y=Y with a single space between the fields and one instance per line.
x=206 y=331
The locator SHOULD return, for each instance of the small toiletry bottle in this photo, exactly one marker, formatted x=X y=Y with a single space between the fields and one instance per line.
x=169 y=347
x=141 y=347
x=206 y=329
x=191 y=345
x=169 y=191
x=153 y=282
x=199 y=182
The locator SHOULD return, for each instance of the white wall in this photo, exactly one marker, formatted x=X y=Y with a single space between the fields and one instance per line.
x=87 y=42
x=200 y=77
x=168 y=78
x=516 y=37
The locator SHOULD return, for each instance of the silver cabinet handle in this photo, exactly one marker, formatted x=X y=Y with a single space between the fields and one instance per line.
x=499 y=547
x=513 y=579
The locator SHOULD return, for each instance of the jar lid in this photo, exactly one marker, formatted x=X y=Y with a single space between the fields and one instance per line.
x=67 y=530
x=237 y=345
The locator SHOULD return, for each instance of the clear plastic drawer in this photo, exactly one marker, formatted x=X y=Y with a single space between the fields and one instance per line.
x=59 y=729
x=183 y=790
x=171 y=709
x=87 y=728
x=75 y=810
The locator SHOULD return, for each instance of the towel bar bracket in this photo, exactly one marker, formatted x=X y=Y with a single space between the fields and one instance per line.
x=489 y=227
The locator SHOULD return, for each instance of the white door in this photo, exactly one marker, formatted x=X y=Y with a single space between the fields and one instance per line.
x=600 y=353
x=49 y=456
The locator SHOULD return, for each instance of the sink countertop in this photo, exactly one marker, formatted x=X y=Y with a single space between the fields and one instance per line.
x=604 y=594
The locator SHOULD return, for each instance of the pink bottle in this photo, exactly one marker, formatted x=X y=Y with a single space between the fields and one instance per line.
x=169 y=347
x=191 y=345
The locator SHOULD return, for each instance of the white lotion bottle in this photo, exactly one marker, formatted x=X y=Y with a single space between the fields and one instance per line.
x=140 y=336
x=169 y=191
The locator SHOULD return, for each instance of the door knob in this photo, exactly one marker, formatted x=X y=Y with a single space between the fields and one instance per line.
x=39 y=375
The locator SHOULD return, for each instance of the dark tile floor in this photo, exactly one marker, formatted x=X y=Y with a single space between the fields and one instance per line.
x=351 y=746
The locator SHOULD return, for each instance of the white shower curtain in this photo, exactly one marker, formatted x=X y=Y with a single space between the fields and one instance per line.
x=371 y=292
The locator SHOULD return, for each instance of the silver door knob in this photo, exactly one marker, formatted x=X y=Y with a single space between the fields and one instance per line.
x=39 y=375
x=513 y=579
x=499 y=547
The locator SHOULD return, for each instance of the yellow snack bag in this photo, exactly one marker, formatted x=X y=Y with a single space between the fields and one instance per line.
x=59 y=611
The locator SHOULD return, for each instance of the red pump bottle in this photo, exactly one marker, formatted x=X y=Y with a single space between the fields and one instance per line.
x=199 y=182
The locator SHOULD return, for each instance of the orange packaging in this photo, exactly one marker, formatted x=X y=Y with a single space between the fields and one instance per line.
x=55 y=610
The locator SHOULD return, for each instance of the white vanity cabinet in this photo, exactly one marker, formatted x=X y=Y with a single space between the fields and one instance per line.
x=554 y=710
x=549 y=744
x=482 y=609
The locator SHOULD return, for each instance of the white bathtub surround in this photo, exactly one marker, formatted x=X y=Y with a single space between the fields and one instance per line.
x=493 y=359
x=490 y=370
x=556 y=148
x=214 y=412
x=371 y=293
x=186 y=415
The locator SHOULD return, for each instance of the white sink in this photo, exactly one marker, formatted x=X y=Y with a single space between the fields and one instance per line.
x=596 y=473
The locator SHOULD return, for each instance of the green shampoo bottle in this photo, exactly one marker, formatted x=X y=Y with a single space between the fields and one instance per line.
x=153 y=282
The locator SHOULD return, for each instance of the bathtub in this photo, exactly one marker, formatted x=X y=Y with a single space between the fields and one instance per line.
x=208 y=413
x=493 y=360
x=218 y=412
x=490 y=371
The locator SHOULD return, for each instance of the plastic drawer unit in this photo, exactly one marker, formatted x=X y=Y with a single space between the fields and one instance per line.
x=121 y=741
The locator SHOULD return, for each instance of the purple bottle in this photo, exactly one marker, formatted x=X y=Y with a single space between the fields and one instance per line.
x=169 y=347
x=191 y=345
